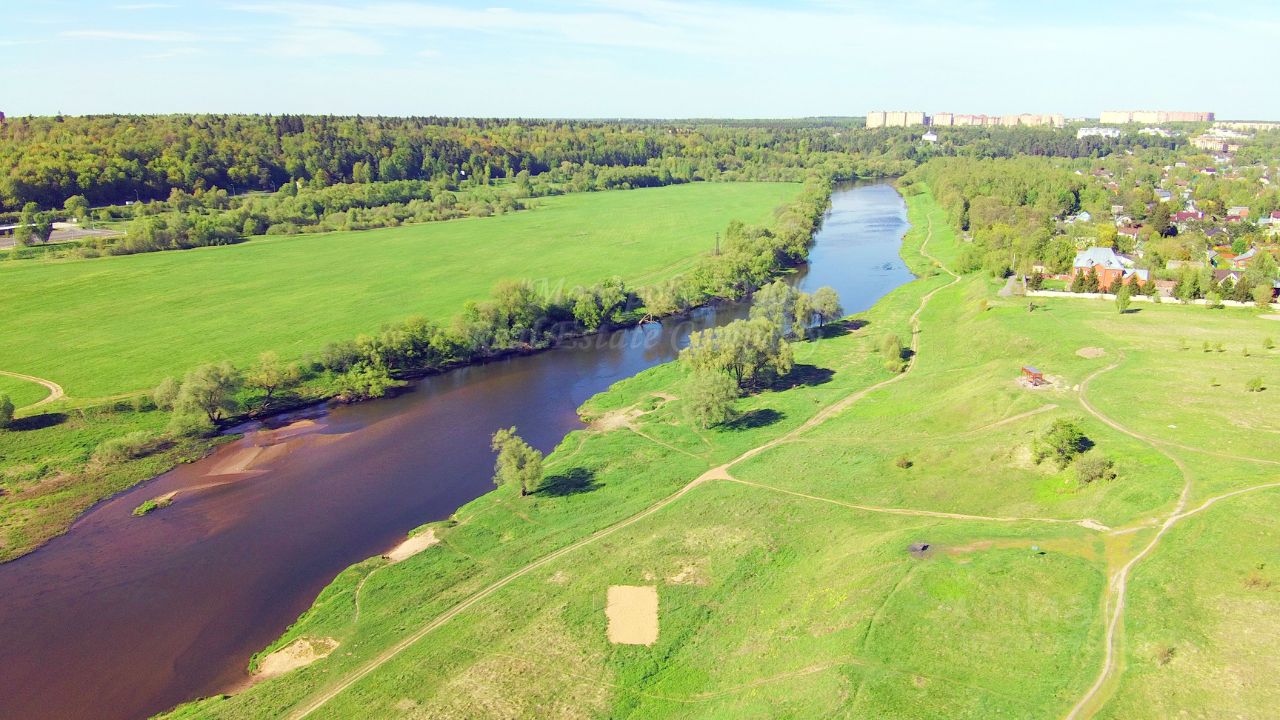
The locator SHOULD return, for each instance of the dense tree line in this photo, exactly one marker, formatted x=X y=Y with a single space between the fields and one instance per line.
x=109 y=159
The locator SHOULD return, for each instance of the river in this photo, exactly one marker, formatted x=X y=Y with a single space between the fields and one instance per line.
x=123 y=617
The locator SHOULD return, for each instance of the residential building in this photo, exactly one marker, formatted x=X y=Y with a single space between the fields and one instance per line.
x=1163 y=195
x=1102 y=132
x=1124 y=117
x=894 y=118
x=1242 y=260
x=1108 y=265
x=930 y=136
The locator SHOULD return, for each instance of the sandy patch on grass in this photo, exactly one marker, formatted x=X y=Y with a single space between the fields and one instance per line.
x=632 y=611
x=412 y=546
x=1091 y=352
x=1270 y=317
x=299 y=653
x=688 y=575
x=616 y=419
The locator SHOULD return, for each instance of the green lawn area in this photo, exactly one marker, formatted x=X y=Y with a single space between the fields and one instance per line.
x=787 y=589
x=22 y=392
x=119 y=324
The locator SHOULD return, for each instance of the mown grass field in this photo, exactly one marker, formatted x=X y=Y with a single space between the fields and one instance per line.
x=119 y=324
x=785 y=586
x=22 y=392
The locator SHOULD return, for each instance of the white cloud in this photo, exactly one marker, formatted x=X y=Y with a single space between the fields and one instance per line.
x=167 y=36
x=146 y=6
x=324 y=42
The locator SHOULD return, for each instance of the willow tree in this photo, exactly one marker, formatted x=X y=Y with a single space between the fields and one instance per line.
x=518 y=463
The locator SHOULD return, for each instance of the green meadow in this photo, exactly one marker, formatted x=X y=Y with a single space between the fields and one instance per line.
x=114 y=325
x=22 y=392
x=785 y=584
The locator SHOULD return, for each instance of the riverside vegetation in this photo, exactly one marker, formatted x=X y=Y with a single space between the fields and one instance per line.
x=64 y=458
x=1098 y=543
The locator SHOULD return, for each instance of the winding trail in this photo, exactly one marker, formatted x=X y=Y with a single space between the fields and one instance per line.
x=720 y=472
x=1084 y=522
x=55 y=390
x=1119 y=583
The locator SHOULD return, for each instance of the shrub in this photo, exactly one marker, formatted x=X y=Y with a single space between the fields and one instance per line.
x=1063 y=441
x=903 y=462
x=1212 y=300
x=166 y=393
x=116 y=450
x=188 y=425
x=1255 y=385
x=1269 y=343
x=6 y=411
x=1092 y=468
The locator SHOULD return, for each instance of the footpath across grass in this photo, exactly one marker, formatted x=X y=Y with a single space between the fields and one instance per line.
x=119 y=324
x=907 y=557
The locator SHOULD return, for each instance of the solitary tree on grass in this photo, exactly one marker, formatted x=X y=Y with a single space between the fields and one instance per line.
x=6 y=412
x=709 y=398
x=518 y=463
x=1122 y=298
x=826 y=305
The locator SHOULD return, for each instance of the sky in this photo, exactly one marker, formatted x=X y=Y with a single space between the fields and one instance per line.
x=638 y=58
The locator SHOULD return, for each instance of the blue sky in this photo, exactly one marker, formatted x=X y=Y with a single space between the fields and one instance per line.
x=637 y=58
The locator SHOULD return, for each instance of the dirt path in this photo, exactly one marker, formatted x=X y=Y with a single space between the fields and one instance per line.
x=1085 y=522
x=55 y=390
x=1118 y=587
x=720 y=472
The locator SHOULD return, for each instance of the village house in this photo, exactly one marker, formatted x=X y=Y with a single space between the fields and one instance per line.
x=1242 y=260
x=1241 y=211
x=1163 y=195
x=1109 y=266
x=1221 y=275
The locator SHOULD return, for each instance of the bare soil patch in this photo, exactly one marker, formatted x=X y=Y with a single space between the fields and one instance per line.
x=413 y=546
x=632 y=611
x=616 y=419
x=1091 y=352
x=299 y=653
x=1270 y=317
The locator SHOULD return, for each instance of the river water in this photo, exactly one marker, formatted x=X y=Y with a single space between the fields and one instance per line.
x=123 y=617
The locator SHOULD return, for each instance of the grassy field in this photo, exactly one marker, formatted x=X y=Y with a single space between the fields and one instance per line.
x=118 y=324
x=785 y=584
x=22 y=392
x=109 y=326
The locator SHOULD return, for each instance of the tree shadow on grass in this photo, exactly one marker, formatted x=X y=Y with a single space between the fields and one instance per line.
x=570 y=482
x=803 y=375
x=38 y=422
x=754 y=419
x=836 y=329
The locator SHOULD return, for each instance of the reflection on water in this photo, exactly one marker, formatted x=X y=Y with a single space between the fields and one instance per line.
x=123 y=617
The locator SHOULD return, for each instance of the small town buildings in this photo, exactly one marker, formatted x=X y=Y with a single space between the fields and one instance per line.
x=1102 y=132
x=1108 y=265
x=1242 y=260
x=1163 y=195
x=1241 y=210
x=1221 y=275
x=1129 y=231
